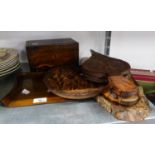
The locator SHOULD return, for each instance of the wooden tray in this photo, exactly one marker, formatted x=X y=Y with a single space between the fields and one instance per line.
x=33 y=82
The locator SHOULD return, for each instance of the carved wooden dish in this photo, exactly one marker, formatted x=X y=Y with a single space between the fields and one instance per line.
x=67 y=82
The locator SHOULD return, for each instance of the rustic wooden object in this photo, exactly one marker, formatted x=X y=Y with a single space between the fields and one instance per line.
x=99 y=66
x=38 y=93
x=67 y=82
x=136 y=112
x=45 y=54
x=122 y=90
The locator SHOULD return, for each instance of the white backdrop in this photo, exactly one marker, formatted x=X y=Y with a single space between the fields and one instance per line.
x=87 y=40
x=138 y=48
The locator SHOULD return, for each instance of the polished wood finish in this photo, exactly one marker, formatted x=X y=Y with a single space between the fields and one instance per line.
x=45 y=54
x=68 y=82
x=32 y=82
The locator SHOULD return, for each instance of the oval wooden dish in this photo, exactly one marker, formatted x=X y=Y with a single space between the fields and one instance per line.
x=67 y=82
x=78 y=94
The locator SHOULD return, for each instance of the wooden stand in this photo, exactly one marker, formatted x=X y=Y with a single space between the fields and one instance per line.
x=136 y=112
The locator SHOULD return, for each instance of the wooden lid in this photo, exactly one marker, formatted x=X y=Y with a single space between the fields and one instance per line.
x=99 y=64
x=46 y=42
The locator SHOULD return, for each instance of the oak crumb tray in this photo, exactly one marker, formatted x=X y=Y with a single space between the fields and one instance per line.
x=30 y=89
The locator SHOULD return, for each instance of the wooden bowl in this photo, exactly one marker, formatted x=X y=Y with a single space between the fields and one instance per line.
x=67 y=82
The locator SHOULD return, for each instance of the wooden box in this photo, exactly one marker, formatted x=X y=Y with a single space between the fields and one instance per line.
x=45 y=54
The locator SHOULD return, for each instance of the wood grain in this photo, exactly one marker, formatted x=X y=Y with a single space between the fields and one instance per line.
x=45 y=54
x=33 y=83
x=136 y=112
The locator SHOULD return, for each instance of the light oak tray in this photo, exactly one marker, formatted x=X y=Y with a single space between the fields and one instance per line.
x=33 y=82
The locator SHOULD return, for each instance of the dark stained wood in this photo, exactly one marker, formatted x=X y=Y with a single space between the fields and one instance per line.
x=34 y=83
x=98 y=66
x=45 y=54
